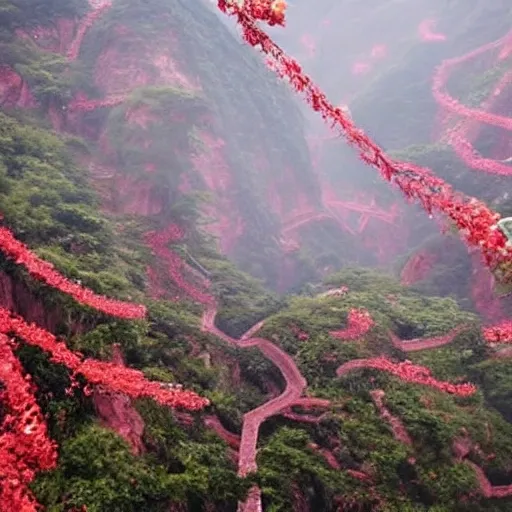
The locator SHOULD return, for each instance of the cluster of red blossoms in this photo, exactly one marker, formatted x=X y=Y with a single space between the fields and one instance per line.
x=271 y=12
x=115 y=377
x=407 y=372
x=501 y=333
x=359 y=322
x=25 y=447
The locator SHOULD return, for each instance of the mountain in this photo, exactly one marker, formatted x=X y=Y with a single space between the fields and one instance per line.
x=208 y=303
x=400 y=86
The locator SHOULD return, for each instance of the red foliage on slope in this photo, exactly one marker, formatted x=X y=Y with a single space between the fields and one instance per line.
x=25 y=448
x=407 y=372
x=130 y=381
x=113 y=376
x=500 y=333
x=15 y=457
x=44 y=271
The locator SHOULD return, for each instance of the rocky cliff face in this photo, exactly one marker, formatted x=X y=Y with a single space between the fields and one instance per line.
x=117 y=412
x=241 y=135
x=17 y=297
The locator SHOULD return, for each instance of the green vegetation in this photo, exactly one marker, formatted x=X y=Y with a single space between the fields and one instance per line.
x=97 y=468
x=426 y=473
x=49 y=76
x=47 y=202
x=305 y=472
x=495 y=377
x=168 y=161
x=392 y=307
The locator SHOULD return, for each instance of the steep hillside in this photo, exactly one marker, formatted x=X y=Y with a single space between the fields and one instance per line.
x=157 y=188
x=128 y=79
